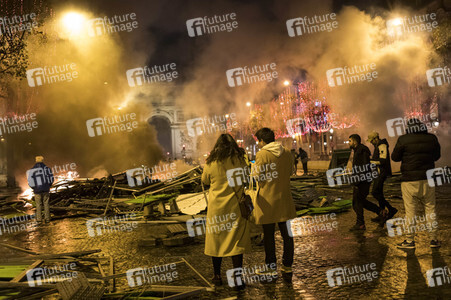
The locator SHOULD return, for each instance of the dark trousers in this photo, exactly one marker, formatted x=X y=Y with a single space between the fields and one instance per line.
x=270 y=244
x=237 y=261
x=304 y=166
x=359 y=201
x=378 y=192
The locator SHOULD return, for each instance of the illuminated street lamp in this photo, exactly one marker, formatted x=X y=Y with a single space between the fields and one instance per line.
x=394 y=27
x=73 y=22
x=286 y=83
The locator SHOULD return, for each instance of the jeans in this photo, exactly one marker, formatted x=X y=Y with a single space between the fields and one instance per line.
x=419 y=192
x=378 y=192
x=39 y=198
x=359 y=201
x=270 y=244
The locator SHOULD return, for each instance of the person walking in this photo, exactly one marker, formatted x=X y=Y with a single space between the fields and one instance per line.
x=274 y=203
x=40 y=179
x=417 y=150
x=361 y=188
x=304 y=159
x=381 y=158
x=224 y=172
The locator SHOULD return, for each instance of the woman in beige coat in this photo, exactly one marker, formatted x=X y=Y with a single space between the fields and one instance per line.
x=227 y=233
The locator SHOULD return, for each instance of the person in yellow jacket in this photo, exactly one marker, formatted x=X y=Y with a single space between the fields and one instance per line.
x=227 y=232
x=274 y=203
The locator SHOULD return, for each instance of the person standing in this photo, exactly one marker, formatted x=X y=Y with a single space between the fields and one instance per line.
x=274 y=203
x=417 y=150
x=361 y=188
x=381 y=158
x=40 y=179
x=304 y=159
x=223 y=210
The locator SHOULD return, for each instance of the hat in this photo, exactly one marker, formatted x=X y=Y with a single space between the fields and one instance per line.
x=373 y=134
x=39 y=158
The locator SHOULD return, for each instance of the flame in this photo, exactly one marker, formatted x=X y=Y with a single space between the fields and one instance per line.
x=27 y=194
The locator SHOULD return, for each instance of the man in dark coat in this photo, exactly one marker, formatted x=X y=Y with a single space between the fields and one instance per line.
x=361 y=168
x=304 y=159
x=417 y=150
x=40 y=179
x=381 y=158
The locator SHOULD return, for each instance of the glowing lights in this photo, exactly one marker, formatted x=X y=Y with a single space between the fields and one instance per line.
x=394 y=27
x=286 y=83
x=73 y=22
x=248 y=104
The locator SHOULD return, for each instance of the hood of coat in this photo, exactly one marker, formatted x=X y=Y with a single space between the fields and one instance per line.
x=275 y=148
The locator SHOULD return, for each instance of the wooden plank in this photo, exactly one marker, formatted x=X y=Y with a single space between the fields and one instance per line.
x=125 y=273
x=176 y=228
x=96 y=210
x=183 y=295
x=75 y=254
x=19 y=249
x=24 y=272
x=113 y=286
x=109 y=198
x=38 y=295
x=195 y=271
x=25 y=285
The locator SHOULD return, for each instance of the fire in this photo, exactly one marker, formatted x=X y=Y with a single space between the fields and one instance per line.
x=27 y=194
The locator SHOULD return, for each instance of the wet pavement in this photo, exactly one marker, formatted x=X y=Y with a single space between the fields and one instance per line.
x=400 y=274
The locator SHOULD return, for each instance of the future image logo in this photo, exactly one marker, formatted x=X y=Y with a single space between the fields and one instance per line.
x=196 y=226
x=51 y=74
x=211 y=124
x=209 y=25
x=401 y=126
x=349 y=75
x=308 y=25
x=438 y=176
x=108 y=25
x=438 y=276
x=438 y=76
x=251 y=74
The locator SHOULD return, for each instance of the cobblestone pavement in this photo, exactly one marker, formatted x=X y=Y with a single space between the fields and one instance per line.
x=401 y=274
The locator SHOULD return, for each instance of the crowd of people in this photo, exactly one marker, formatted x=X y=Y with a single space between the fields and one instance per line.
x=417 y=151
x=272 y=201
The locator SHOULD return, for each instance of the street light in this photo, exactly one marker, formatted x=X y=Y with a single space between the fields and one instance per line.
x=394 y=27
x=73 y=22
x=286 y=83
x=248 y=104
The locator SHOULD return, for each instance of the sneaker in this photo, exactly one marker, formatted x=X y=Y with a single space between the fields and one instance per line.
x=406 y=245
x=435 y=244
x=287 y=274
x=358 y=227
x=217 y=280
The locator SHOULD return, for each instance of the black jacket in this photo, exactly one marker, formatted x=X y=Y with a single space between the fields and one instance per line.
x=361 y=164
x=381 y=154
x=303 y=154
x=417 y=152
